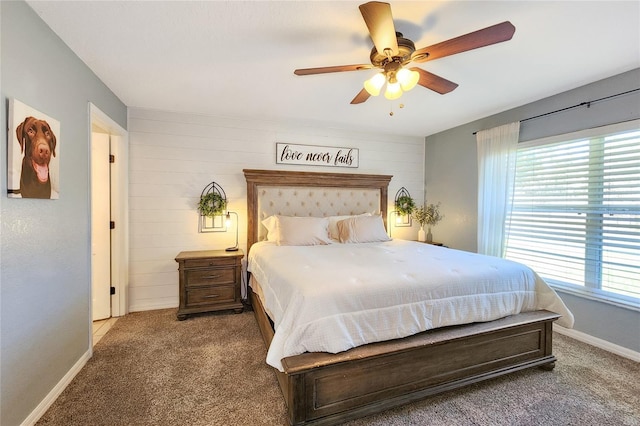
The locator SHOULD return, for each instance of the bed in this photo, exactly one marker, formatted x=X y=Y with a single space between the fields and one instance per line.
x=357 y=376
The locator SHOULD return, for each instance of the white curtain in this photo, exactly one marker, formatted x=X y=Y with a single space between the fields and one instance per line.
x=497 y=149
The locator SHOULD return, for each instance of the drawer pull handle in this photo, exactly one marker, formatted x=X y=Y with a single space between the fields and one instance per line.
x=211 y=296
x=213 y=277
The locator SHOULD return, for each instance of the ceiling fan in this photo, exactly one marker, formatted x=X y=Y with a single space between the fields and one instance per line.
x=392 y=52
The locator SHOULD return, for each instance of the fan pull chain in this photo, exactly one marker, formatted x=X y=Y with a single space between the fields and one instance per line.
x=391 y=111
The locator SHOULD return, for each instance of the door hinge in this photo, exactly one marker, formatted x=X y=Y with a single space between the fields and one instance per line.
x=112 y=158
x=113 y=290
x=112 y=225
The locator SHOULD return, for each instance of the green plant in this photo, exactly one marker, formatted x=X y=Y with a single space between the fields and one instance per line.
x=428 y=215
x=212 y=204
x=405 y=205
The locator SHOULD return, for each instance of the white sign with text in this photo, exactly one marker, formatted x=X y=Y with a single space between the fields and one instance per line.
x=312 y=155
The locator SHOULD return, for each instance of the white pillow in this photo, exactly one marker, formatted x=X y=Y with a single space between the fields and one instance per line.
x=362 y=229
x=302 y=231
x=333 y=224
x=272 y=231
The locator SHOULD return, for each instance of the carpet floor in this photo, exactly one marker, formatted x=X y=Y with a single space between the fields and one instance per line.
x=151 y=369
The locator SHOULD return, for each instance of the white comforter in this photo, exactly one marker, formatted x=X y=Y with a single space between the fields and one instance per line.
x=331 y=298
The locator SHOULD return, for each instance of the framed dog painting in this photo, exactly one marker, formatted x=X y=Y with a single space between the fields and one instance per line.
x=33 y=153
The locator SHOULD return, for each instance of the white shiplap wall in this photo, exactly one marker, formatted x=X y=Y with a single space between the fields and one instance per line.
x=173 y=156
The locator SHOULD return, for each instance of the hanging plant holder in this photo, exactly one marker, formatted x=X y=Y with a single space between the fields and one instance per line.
x=404 y=206
x=212 y=207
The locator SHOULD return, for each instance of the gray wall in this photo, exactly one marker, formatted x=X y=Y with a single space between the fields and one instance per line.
x=451 y=176
x=45 y=289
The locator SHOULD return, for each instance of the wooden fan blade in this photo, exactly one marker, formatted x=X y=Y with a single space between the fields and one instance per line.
x=360 y=97
x=338 y=68
x=484 y=37
x=377 y=16
x=434 y=82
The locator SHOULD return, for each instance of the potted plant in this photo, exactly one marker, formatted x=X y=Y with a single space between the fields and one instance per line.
x=428 y=215
x=212 y=204
x=405 y=205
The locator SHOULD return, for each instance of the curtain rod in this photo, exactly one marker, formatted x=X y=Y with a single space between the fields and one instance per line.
x=587 y=103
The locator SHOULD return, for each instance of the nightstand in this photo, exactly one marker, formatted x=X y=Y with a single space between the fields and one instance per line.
x=433 y=243
x=209 y=281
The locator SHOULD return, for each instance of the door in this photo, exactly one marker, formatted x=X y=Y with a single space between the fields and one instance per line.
x=119 y=148
x=100 y=229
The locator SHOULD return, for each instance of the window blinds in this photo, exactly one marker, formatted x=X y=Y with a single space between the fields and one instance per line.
x=576 y=212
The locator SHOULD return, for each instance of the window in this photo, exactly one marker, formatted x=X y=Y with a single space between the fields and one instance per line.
x=576 y=212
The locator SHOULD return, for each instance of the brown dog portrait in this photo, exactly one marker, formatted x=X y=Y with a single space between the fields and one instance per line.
x=38 y=143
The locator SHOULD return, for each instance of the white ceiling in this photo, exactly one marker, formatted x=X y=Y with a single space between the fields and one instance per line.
x=236 y=58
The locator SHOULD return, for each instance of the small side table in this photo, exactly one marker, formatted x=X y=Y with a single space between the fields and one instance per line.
x=433 y=243
x=210 y=280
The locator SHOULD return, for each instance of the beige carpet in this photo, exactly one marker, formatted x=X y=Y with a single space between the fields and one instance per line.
x=209 y=370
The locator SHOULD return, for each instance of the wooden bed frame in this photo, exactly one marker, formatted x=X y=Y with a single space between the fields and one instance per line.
x=326 y=389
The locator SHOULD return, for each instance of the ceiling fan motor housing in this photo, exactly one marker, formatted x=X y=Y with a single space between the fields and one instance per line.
x=405 y=49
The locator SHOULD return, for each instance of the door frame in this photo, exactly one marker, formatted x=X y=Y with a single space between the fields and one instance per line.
x=119 y=208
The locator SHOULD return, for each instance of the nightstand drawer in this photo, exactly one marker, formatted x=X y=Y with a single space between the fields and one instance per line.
x=210 y=276
x=209 y=295
x=206 y=263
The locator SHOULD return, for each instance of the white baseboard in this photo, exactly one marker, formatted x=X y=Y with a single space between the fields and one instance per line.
x=56 y=391
x=599 y=343
x=153 y=306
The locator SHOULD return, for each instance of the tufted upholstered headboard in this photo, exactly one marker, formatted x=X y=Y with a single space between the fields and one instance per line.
x=311 y=194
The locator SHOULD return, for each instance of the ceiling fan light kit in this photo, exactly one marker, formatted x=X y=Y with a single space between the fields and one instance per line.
x=398 y=80
x=408 y=79
x=394 y=91
x=392 y=52
x=375 y=83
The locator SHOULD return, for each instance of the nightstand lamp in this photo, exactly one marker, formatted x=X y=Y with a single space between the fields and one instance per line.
x=228 y=223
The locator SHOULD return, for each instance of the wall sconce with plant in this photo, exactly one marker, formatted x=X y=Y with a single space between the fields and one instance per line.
x=428 y=215
x=212 y=206
x=214 y=215
x=403 y=207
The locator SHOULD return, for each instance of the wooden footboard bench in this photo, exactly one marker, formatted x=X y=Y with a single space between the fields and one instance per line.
x=325 y=389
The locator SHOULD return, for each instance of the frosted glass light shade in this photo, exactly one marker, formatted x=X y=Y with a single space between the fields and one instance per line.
x=408 y=79
x=394 y=91
x=374 y=84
